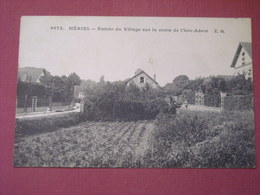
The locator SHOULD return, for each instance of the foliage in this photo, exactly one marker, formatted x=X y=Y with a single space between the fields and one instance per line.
x=89 y=144
x=108 y=108
x=54 y=86
x=239 y=85
x=239 y=102
x=30 y=89
x=189 y=95
x=61 y=88
x=45 y=124
x=213 y=98
x=203 y=139
x=114 y=101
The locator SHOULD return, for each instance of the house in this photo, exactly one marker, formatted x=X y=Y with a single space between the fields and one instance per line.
x=31 y=74
x=79 y=92
x=242 y=61
x=142 y=79
x=199 y=98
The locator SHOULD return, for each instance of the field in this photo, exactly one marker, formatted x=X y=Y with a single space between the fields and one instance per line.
x=89 y=144
x=190 y=139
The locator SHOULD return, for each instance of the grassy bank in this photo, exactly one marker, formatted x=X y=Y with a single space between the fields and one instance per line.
x=203 y=139
x=31 y=126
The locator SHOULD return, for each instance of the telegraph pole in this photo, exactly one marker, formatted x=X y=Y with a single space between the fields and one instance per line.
x=51 y=99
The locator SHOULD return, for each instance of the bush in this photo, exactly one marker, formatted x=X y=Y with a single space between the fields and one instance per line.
x=212 y=100
x=45 y=124
x=239 y=102
x=122 y=110
x=203 y=139
x=233 y=147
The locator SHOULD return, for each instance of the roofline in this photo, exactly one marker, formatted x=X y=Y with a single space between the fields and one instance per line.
x=146 y=75
x=239 y=48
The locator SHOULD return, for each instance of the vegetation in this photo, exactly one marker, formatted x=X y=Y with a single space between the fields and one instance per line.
x=38 y=125
x=125 y=126
x=61 y=88
x=116 y=102
x=188 y=139
x=210 y=86
x=58 y=89
x=90 y=144
x=239 y=102
x=203 y=139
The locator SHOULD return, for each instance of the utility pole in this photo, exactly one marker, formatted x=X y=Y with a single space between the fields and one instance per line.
x=51 y=99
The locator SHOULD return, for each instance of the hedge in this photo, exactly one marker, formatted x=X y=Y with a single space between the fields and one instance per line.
x=45 y=124
x=123 y=110
x=239 y=102
x=212 y=100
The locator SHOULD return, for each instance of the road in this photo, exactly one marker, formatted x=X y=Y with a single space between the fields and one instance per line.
x=42 y=114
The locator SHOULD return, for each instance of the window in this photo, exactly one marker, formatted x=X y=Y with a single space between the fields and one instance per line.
x=243 y=53
x=141 y=79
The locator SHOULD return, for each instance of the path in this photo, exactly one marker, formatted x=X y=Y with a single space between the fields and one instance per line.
x=41 y=114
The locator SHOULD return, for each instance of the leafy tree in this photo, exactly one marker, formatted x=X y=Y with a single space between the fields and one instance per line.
x=178 y=84
x=55 y=86
x=181 y=81
x=189 y=95
x=239 y=85
x=70 y=82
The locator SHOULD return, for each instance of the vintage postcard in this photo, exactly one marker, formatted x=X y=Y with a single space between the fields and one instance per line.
x=135 y=92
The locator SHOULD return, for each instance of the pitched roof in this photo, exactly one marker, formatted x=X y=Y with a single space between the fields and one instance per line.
x=139 y=74
x=32 y=73
x=248 y=48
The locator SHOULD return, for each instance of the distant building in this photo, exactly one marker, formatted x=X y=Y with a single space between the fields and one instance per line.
x=242 y=61
x=79 y=92
x=31 y=74
x=142 y=79
x=199 y=98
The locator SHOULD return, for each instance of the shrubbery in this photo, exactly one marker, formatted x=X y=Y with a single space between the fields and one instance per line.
x=45 y=124
x=239 y=102
x=122 y=110
x=193 y=139
x=212 y=100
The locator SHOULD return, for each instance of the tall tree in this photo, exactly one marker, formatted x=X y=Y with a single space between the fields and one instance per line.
x=70 y=82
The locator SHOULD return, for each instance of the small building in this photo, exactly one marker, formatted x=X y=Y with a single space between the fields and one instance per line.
x=199 y=98
x=31 y=74
x=79 y=92
x=242 y=61
x=141 y=79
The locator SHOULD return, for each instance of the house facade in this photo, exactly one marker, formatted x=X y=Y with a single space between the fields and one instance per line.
x=31 y=74
x=242 y=61
x=141 y=79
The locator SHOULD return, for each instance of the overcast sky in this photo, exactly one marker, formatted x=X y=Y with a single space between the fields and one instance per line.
x=117 y=54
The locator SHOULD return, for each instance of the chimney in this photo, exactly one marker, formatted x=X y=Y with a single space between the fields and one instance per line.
x=154 y=77
x=138 y=71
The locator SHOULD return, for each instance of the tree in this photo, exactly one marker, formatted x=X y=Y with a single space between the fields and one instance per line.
x=178 y=84
x=181 y=81
x=70 y=82
x=239 y=85
x=189 y=95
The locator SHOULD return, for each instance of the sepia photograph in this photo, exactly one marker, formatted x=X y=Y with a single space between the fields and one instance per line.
x=134 y=92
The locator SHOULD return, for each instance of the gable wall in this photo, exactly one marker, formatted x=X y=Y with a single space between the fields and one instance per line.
x=136 y=81
x=247 y=67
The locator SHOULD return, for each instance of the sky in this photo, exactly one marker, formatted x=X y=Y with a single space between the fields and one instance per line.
x=164 y=46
